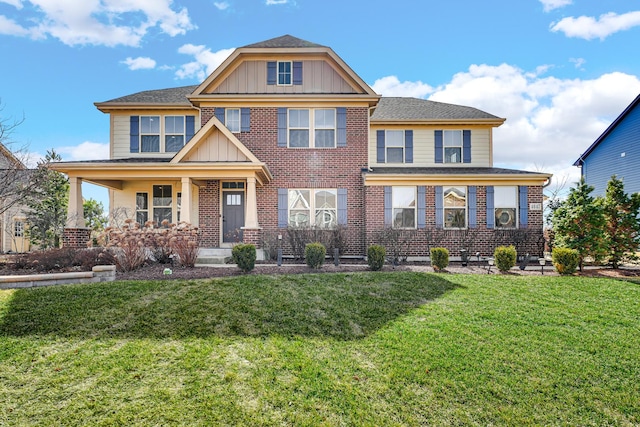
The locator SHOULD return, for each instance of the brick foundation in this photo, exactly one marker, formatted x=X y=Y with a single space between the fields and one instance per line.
x=253 y=236
x=76 y=237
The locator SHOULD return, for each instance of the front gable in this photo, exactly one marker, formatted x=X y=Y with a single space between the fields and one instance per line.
x=214 y=143
x=311 y=69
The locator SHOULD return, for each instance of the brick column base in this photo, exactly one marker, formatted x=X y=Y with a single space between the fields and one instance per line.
x=252 y=235
x=76 y=237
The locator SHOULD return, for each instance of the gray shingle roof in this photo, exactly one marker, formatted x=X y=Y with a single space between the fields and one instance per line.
x=392 y=108
x=174 y=95
x=128 y=160
x=283 y=42
x=450 y=171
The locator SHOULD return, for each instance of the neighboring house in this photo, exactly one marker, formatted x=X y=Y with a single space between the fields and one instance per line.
x=13 y=219
x=284 y=133
x=615 y=152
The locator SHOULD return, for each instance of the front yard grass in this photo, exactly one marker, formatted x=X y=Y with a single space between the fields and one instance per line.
x=323 y=349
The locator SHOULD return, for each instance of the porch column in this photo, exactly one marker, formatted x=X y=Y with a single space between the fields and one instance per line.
x=185 y=207
x=251 y=220
x=75 y=211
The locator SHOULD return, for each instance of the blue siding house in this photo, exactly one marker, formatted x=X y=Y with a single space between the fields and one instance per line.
x=615 y=152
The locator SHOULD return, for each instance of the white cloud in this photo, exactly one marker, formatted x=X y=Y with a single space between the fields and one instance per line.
x=205 y=61
x=11 y=28
x=222 y=5
x=85 y=151
x=550 y=121
x=15 y=3
x=550 y=5
x=391 y=84
x=140 y=63
x=588 y=28
x=272 y=2
x=578 y=62
x=102 y=22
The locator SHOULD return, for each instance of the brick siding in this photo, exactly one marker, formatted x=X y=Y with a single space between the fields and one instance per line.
x=77 y=238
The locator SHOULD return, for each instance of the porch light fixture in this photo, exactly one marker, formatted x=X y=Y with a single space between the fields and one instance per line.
x=542 y=262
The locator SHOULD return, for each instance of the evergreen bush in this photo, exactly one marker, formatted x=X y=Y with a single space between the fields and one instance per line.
x=375 y=257
x=505 y=257
x=565 y=260
x=245 y=256
x=439 y=258
x=314 y=254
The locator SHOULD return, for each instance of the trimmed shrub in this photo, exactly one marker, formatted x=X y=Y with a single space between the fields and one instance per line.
x=375 y=257
x=245 y=256
x=505 y=257
x=439 y=258
x=314 y=254
x=565 y=260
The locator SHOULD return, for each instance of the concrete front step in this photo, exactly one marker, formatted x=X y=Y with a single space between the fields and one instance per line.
x=213 y=256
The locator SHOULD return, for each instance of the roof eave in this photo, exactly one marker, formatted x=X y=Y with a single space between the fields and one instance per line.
x=107 y=107
x=494 y=122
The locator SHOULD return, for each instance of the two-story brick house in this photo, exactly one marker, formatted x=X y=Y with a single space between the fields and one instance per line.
x=284 y=133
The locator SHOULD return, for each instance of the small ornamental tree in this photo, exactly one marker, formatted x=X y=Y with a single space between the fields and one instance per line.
x=578 y=223
x=622 y=229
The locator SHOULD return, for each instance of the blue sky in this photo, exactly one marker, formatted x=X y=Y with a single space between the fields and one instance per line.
x=559 y=71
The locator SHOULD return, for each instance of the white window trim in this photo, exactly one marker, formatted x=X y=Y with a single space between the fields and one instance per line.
x=415 y=207
x=386 y=146
x=515 y=207
x=159 y=134
x=162 y=135
x=226 y=119
x=312 y=128
x=163 y=146
x=141 y=210
x=22 y=222
x=312 y=205
x=444 y=146
x=466 y=207
x=278 y=73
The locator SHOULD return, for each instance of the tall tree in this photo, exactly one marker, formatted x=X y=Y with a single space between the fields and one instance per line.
x=47 y=204
x=94 y=215
x=579 y=222
x=622 y=228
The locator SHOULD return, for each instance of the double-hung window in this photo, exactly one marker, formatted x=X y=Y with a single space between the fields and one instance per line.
x=452 y=141
x=284 y=73
x=150 y=134
x=505 y=202
x=232 y=119
x=162 y=204
x=142 y=208
x=312 y=128
x=394 y=145
x=404 y=207
x=18 y=228
x=455 y=207
x=312 y=207
x=173 y=133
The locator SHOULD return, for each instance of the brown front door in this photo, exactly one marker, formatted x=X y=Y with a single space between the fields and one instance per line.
x=232 y=216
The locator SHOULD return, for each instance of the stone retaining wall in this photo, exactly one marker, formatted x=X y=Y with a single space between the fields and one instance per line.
x=99 y=273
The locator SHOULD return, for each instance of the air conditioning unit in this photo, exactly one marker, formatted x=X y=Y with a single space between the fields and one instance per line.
x=505 y=218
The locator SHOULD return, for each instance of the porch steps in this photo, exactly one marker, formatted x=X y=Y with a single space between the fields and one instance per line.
x=213 y=256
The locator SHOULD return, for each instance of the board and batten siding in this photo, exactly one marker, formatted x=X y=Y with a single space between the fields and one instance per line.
x=251 y=77
x=126 y=199
x=424 y=146
x=216 y=148
x=121 y=128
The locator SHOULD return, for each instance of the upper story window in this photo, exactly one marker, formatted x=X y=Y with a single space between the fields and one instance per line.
x=452 y=146
x=159 y=134
x=505 y=201
x=173 y=133
x=404 y=207
x=232 y=119
x=284 y=73
x=455 y=207
x=309 y=128
x=394 y=146
x=150 y=134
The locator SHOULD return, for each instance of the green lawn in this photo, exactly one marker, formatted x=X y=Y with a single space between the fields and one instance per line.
x=371 y=349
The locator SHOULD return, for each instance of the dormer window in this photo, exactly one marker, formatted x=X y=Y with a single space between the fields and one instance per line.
x=284 y=73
